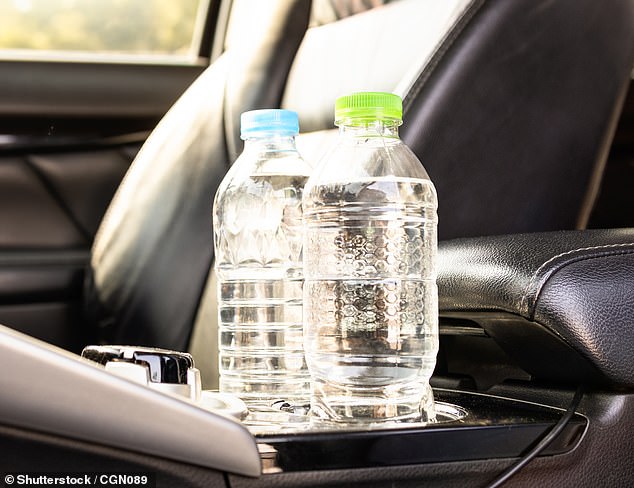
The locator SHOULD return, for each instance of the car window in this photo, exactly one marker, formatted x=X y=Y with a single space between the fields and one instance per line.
x=107 y=29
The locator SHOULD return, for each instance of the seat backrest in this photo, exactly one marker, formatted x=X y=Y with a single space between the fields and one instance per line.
x=512 y=112
x=515 y=121
x=510 y=106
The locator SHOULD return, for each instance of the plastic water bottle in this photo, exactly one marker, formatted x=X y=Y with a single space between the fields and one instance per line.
x=258 y=231
x=370 y=295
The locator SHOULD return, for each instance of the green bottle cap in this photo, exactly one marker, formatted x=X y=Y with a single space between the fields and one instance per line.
x=369 y=106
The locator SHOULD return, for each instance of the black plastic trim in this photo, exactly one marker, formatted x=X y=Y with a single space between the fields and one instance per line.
x=48 y=90
x=494 y=428
x=209 y=29
x=533 y=347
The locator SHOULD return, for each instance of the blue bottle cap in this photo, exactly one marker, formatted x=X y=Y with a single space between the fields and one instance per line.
x=268 y=121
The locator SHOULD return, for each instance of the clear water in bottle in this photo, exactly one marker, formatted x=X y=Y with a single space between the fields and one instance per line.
x=258 y=244
x=370 y=297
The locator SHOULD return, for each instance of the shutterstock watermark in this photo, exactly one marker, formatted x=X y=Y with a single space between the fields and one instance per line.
x=100 y=480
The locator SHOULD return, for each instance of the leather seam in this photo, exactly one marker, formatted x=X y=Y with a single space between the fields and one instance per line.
x=58 y=198
x=540 y=278
x=446 y=43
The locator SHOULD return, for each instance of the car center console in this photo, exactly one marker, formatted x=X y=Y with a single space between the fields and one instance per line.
x=524 y=319
x=79 y=398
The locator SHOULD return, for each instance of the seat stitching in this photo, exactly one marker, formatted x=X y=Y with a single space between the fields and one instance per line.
x=440 y=51
x=538 y=281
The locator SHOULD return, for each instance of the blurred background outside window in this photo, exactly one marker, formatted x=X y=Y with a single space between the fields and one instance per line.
x=67 y=29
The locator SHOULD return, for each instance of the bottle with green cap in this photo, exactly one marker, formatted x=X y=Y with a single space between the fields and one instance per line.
x=257 y=223
x=370 y=296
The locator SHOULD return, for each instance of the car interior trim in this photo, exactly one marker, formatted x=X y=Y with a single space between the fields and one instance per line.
x=92 y=89
x=594 y=185
x=11 y=144
x=492 y=427
x=410 y=87
x=130 y=416
x=543 y=443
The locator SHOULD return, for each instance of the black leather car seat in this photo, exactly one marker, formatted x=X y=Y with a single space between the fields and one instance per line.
x=153 y=250
x=511 y=108
x=512 y=114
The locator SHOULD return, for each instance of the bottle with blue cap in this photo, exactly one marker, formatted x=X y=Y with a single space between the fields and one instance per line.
x=257 y=221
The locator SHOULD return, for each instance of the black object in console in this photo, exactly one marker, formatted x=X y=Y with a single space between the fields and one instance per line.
x=163 y=366
x=560 y=303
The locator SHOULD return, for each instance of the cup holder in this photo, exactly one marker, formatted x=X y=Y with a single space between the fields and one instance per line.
x=289 y=419
x=468 y=426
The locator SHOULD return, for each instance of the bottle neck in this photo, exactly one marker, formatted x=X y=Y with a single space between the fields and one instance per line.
x=369 y=128
x=270 y=143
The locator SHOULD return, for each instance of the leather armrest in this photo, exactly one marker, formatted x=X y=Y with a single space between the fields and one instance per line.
x=576 y=286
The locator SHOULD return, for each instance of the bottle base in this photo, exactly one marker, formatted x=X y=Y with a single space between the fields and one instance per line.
x=337 y=404
x=264 y=392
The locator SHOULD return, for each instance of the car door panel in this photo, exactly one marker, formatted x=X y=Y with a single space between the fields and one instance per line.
x=52 y=203
x=56 y=91
x=70 y=125
x=31 y=217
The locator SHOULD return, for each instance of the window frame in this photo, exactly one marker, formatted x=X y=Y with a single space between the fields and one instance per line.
x=102 y=91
